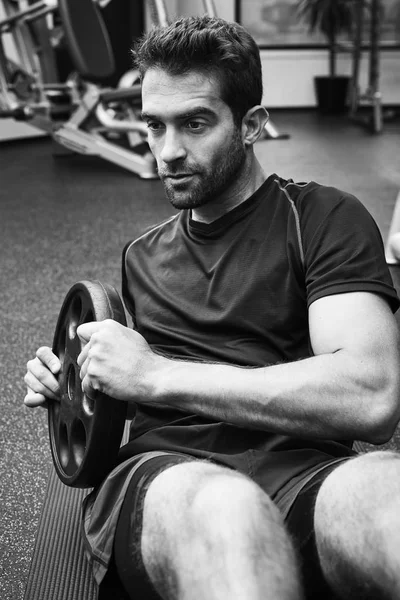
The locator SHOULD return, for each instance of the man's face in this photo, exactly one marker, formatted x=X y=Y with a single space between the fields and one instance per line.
x=198 y=148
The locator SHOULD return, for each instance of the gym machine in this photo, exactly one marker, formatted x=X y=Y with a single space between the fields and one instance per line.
x=371 y=100
x=82 y=114
x=22 y=84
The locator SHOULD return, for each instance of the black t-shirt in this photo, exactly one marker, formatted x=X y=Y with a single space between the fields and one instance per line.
x=237 y=291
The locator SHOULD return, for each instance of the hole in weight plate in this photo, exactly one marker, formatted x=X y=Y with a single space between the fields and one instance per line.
x=60 y=345
x=78 y=442
x=75 y=314
x=63 y=445
x=88 y=405
x=71 y=384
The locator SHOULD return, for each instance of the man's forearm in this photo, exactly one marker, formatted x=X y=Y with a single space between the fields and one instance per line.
x=329 y=396
x=338 y=394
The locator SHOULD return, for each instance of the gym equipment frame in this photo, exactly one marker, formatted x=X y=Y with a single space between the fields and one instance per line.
x=372 y=97
x=81 y=114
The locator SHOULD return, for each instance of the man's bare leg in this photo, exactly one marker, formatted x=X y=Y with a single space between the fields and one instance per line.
x=210 y=533
x=357 y=526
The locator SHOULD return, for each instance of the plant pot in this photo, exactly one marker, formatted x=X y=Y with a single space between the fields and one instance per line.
x=332 y=94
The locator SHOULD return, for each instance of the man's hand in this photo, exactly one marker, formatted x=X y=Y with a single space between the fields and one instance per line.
x=41 y=378
x=116 y=361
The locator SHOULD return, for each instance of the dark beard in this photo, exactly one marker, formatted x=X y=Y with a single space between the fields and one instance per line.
x=212 y=183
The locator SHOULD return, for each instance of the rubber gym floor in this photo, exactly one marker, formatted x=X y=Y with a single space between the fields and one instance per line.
x=67 y=219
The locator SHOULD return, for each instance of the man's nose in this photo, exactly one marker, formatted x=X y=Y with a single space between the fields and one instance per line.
x=173 y=149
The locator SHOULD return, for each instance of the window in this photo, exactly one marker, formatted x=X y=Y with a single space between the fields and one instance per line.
x=275 y=24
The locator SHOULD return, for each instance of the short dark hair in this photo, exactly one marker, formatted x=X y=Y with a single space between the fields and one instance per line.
x=212 y=46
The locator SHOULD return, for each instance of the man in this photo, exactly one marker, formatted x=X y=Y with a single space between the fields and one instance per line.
x=263 y=344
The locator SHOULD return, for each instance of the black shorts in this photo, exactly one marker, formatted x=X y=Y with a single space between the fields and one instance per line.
x=127 y=566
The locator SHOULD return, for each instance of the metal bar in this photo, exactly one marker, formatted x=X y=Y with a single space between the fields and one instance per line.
x=38 y=15
x=24 y=13
x=24 y=43
x=160 y=14
x=354 y=85
x=374 y=66
x=209 y=7
x=7 y=101
x=56 y=87
x=119 y=125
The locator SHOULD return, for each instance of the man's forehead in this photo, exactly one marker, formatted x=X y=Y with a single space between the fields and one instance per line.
x=164 y=90
x=160 y=78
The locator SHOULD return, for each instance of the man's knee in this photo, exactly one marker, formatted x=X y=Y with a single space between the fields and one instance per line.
x=203 y=522
x=201 y=495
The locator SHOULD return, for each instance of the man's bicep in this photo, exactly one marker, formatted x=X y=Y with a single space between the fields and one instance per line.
x=360 y=322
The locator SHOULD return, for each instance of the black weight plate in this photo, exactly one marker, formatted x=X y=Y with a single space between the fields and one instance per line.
x=85 y=434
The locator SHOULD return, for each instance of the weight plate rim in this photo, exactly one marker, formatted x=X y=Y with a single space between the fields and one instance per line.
x=116 y=409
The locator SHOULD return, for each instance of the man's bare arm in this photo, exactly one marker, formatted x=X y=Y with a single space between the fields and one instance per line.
x=348 y=390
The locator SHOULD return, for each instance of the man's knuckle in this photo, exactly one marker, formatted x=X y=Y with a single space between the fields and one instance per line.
x=41 y=372
x=33 y=385
x=94 y=338
x=91 y=370
x=95 y=385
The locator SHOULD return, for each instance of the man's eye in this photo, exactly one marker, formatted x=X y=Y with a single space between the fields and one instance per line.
x=154 y=126
x=195 y=125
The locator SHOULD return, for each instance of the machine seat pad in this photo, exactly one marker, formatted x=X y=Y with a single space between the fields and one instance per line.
x=87 y=39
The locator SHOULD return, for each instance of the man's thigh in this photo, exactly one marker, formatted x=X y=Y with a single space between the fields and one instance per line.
x=127 y=557
x=128 y=561
x=176 y=489
x=357 y=524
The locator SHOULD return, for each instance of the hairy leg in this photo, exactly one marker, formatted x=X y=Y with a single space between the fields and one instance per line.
x=357 y=527
x=210 y=533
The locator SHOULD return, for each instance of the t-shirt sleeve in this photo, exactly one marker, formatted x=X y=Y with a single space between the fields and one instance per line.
x=343 y=247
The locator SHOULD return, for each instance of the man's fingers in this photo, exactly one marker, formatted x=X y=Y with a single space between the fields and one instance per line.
x=44 y=376
x=83 y=355
x=40 y=380
x=33 y=399
x=49 y=359
x=86 y=330
x=87 y=388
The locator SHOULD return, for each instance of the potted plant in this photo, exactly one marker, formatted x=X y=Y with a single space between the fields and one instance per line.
x=331 y=18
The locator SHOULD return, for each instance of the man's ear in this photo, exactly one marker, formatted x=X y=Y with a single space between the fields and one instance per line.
x=253 y=124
